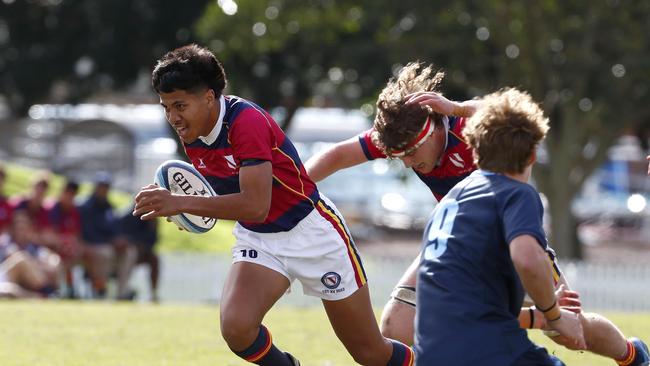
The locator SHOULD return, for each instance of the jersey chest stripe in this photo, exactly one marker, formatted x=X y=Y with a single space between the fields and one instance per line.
x=457 y=136
x=301 y=194
x=302 y=186
x=330 y=216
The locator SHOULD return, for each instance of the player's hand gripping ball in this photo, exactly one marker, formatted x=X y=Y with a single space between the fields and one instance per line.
x=181 y=178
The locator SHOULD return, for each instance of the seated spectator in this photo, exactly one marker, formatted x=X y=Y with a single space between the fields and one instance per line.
x=26 y=269
x=32 y=204
x=66 y=223
x=143 y=234
x=5 y=207
x=103 y=249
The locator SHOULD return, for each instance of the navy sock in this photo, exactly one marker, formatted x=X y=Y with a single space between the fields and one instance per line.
x=402 y=355
x=263 y=352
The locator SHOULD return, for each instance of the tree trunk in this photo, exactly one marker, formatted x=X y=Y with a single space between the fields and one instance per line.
x=563 y=233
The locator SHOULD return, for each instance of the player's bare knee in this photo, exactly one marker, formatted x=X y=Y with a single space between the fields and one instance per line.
x=389 y=329
x=237 y=330
x=385 y=323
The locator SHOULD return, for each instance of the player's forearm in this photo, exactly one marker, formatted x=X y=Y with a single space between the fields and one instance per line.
x=531 y=318
x=321 y=166
x=532 y=265
x=466 y=108
x=340 y=156
x=236 y=206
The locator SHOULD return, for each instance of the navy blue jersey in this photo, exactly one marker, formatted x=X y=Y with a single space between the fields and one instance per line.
x=468 y=292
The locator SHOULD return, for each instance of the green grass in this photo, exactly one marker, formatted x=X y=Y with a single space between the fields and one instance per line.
x=71 y=333
x=217 y=240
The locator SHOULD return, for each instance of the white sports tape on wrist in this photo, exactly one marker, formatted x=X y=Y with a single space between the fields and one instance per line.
x=404 y=294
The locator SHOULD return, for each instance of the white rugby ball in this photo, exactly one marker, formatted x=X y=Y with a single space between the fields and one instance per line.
x=182 y=178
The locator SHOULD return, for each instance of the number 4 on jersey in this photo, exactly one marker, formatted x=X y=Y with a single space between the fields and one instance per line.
x=440 y=228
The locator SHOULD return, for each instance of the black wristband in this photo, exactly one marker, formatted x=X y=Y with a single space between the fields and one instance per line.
x=532 y=317
x=548 y=308
x=552 y=320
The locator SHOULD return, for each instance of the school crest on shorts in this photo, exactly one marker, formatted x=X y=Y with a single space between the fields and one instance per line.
x=331 y=280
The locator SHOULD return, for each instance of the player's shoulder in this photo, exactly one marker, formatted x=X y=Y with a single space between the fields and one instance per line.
x=509 y=191
x=240 y=111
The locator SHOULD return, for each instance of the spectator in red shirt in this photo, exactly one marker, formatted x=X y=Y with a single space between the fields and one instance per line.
x=33 y=204
x=5 y=207
x=66 y=223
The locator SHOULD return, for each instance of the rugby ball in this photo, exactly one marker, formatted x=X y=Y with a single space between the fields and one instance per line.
x=181 y=178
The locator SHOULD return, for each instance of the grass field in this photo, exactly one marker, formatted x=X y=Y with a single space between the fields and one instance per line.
x=71 y=333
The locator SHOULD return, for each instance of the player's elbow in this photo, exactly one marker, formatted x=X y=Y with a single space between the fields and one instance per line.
x=259 y=216
x=257 y=213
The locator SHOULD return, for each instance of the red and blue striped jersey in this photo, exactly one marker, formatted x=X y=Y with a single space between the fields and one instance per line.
x=5 y=214
x=65 y=221
x=245 y=135
x=455 y=163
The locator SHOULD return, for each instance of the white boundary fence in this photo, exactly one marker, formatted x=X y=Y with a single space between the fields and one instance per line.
x=199 y=278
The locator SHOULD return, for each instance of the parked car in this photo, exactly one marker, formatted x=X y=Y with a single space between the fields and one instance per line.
x=128 y=141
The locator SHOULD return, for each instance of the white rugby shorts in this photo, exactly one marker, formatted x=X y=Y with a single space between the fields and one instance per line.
x=318 y=252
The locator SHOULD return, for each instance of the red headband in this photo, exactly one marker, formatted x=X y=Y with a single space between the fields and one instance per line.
x=427 y=130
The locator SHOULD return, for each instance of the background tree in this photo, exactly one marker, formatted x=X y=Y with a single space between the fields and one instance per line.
x=64 y=51
x=588 y=65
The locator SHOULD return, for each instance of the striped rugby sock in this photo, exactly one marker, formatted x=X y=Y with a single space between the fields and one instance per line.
x=629 y=357
x=263 y=352
x=402 y=355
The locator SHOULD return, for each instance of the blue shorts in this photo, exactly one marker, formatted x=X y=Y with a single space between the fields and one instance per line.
x=537 y=356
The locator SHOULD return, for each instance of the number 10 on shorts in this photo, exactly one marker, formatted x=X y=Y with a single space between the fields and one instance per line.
x=248 y=253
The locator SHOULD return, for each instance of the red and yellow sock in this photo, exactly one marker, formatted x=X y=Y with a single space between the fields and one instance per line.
x=630 y=355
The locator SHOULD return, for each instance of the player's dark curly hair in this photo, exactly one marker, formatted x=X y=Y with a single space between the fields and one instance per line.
x=188 y=68
x=397 y=123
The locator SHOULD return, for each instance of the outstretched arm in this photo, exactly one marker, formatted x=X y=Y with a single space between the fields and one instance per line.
x=531 y=317
x=442 y=105
x=531 y=263
x=340 y=156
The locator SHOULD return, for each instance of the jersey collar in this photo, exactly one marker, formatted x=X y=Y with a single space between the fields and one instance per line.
x=212 y=136
x=445 y=122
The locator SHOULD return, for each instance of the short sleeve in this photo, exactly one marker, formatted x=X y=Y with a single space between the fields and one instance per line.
x=369 y=149
x=252 y=137
x=522 y=215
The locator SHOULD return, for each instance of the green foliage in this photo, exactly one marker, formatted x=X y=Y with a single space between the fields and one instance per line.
x=66 y=50
x=217 y=240
x=71 y=333
x=588 y=66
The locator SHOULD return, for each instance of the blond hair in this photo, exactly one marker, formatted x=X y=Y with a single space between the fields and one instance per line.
x=397 y=123
x=505 y=131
